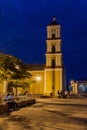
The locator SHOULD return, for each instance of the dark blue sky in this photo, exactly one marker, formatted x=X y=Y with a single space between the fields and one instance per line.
x=23 y=31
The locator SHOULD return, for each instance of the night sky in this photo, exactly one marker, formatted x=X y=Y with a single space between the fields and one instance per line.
x=23 y=31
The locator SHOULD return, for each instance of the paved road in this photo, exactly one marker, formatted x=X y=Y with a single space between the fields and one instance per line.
x=48 y=114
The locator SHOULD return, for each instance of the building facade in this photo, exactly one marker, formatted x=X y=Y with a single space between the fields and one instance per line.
x=50 y=76
x=79 y=87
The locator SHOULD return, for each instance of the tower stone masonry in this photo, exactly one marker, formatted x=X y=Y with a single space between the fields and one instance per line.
x=54 y=67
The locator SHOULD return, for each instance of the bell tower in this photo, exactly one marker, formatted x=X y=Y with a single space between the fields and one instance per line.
x=53 y=68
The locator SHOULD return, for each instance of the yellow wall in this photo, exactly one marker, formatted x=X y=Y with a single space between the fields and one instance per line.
x=58 y=80
x=38 y=86
x=49 y=81
x=43 y=86
x=1 y=87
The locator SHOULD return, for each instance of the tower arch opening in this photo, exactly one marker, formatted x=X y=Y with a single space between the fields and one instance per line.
x=53 y=49
x=53 y=36
x=53 y=63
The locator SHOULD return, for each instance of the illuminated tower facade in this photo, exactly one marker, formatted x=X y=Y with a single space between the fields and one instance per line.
x=53 y=68
x=48 y=78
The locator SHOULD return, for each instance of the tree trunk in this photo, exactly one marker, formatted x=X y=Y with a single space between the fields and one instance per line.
x=5 y=87
x=16 y=91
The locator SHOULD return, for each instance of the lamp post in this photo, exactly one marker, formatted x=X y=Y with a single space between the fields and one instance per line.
x=38 y=78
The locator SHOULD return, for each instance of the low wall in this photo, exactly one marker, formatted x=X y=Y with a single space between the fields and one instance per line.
x=26 y=103
x=4 y=107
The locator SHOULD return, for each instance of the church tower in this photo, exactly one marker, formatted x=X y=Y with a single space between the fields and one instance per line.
x=53 y=68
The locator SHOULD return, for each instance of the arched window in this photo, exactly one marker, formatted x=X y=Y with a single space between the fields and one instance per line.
x=53 y=63
x=53 y=36
x=81 y=88
x=53 y=49
x=86 y=89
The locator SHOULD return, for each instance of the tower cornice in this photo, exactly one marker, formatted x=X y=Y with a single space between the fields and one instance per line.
x=54 y=54
x=54 y=38
x=50 y=40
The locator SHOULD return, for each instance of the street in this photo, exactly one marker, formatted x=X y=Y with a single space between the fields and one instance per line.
x=48 y=114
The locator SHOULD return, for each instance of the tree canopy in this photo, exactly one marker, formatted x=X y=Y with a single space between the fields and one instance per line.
x=14 y=71
x=12 y=68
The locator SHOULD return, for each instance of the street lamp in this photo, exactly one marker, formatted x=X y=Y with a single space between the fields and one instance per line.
x=38 y=78
x=17 y=66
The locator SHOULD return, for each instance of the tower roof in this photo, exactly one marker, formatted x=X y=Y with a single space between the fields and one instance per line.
x=54 y=22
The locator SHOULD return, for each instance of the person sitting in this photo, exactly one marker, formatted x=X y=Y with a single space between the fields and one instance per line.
x=12 y=105
x=7 y=97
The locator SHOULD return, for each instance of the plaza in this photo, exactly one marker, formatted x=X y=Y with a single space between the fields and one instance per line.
x=48 y=114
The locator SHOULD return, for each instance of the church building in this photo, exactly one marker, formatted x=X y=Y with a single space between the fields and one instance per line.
x=49 y=78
